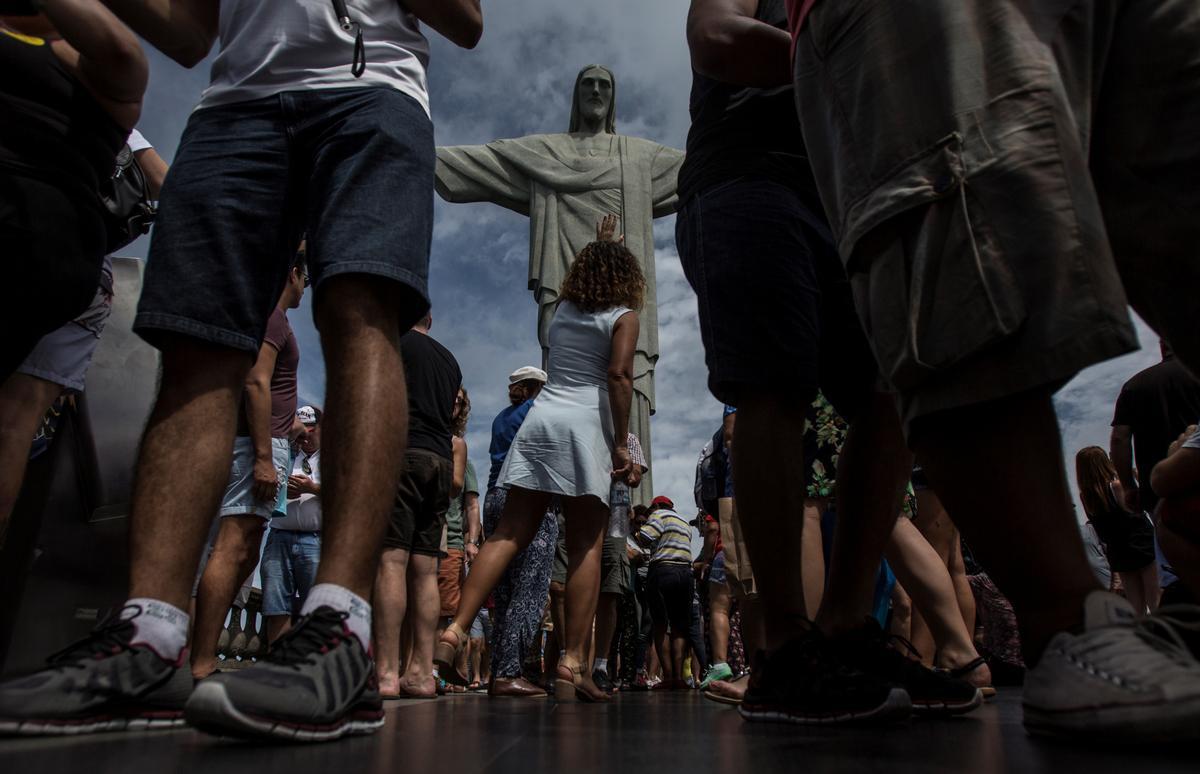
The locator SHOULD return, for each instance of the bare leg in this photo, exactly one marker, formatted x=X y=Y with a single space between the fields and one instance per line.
x=183 y=466
x=523 y=513
x=998 y=468
x=424 y=604
x=962 y=586
x=767 y=449
x=277 y=626
x=812 y=556
x=718 y=614
x=24 y=400
x=902 y=612
x=606 y=624
x=475 y=647
x=235 y=553
x=678 y=648
x=662 y=649
x=928 y=582
x=366 y=420
x=586 y=518
x=388 y=610
x=873 y=469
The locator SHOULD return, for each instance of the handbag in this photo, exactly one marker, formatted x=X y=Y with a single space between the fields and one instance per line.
x=129 y=212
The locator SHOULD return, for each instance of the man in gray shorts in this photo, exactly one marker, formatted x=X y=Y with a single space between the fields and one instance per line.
x=1001 y=177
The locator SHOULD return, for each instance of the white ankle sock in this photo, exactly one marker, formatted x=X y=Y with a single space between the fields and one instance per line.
x=161 y=627
x=601 y=665
x=345 y=600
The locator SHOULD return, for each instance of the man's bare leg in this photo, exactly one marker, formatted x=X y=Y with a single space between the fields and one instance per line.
x=234 y=555
x=767 y=449
x=388 y=611
x=812 y=555
x=24 y=400
x=183 y=466
x=606 y=624
x=998 y=468
x=424 y=605
x=718 y=607
x=366 y=421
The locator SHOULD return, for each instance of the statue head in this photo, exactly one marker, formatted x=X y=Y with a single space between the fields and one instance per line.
x=594 y=100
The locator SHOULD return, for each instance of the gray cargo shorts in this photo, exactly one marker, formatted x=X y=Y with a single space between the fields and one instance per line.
x=999 y=174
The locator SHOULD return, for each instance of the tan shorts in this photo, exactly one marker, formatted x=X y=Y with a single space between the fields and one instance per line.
x=739 y=575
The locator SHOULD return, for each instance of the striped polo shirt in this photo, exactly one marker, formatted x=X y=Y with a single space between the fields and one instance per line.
x=668 y=537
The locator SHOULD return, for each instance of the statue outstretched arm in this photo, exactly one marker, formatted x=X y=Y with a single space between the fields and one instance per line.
x=664 y=178
x=476 y=173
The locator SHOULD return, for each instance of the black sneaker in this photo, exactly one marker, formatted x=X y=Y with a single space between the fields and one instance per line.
x=101 y=683
x=316 y=684
x=801 y=683
x=600 y=678
x=932 y=692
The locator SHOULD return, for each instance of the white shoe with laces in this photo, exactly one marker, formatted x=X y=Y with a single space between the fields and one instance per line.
x=1124 y=679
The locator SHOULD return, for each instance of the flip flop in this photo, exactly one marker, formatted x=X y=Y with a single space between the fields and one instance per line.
x=713 y=694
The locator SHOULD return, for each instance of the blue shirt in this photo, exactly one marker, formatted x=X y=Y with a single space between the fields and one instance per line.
x=504 y=429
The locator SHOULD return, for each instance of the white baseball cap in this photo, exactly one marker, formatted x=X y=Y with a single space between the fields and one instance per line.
x=307 y=415
x=527 y=372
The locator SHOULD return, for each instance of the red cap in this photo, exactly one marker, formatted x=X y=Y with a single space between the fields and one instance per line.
x=662 y=501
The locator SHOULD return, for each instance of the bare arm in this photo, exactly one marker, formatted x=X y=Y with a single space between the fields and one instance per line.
x=1121 y=451
x=1180 y=471
x=474 y=526
x=459 y=21
x=258 y=418
x=727 y=425
x=155 y=170
x=182 y=29
x=103 y=53
x=458 y=449
x=728 y=44
x=620 y=390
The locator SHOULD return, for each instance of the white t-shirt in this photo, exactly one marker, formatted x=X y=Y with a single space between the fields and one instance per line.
x=304 y=512
x=269 y=46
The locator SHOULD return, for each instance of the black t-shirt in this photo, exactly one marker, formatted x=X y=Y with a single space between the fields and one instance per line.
x=433 y=379
x=52 y=127
x=739 y=131
x=1158 y=404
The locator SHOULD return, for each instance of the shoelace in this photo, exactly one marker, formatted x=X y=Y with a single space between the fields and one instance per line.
x=306 y=639
x=1126 y=659
x=110 y=635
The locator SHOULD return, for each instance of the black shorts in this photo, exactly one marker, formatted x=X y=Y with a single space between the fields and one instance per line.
x=422 y=499
x=775 y=307
x=53 y=246
x=352 y=169
x=669 y=591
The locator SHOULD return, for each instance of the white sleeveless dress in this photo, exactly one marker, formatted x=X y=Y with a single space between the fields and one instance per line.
x=565 y=444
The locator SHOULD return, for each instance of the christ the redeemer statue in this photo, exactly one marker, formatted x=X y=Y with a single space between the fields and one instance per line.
x=565 y=183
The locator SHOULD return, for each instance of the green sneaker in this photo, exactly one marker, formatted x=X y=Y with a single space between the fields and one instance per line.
x=718 y=671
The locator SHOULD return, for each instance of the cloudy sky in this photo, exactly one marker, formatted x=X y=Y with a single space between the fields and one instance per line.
x=517 y=82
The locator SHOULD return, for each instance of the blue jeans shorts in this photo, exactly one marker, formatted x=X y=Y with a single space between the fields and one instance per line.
x=239 y=495
x=351 y=169
x=481 y=627
x=716 y=570
x=289 y=569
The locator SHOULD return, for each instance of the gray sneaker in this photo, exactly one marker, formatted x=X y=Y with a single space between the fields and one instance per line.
x=1124 y=679
x=101 y=683
x=316 y=684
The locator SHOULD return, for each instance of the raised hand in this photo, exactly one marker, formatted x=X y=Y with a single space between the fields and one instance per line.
x=606 y=228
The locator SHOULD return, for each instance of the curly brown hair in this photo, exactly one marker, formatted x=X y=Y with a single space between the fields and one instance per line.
x=463 y=408
x=604 y=275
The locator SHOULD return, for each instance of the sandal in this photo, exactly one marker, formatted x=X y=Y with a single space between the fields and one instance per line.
x=569 y=685
x=960 y=673
x=446 y=653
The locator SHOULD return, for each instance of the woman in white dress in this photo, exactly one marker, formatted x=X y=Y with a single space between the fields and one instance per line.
x=570 y=447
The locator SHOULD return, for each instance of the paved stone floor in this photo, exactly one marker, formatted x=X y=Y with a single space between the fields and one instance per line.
x=654 y=733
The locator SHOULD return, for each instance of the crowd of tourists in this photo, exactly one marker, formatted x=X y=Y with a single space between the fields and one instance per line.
x=906 y=225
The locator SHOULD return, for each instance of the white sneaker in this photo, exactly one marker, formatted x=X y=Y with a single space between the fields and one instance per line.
x=1123 y=679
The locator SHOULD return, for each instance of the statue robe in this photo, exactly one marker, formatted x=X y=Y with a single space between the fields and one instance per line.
x=566 y=183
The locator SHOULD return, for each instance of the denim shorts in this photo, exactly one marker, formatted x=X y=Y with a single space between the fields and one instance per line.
x=351 y=169
x=239 y=497
x=716 y=570
x=481 y=627
x=775 y=308
x=289 y=570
